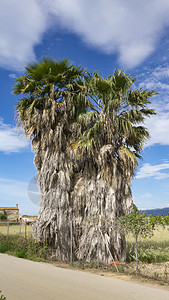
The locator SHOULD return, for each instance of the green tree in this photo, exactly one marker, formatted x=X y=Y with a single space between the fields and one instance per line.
x=137 y=224
x=166 y=218
x=163 y=220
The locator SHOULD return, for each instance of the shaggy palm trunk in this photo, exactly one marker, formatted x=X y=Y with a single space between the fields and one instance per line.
x=96 y=206
x=97 y=203
x=53 y=221
x=89 y=200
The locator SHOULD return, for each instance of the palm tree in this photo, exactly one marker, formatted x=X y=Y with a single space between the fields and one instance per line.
x=106 y=146
x=87 y=135
x=52 y=97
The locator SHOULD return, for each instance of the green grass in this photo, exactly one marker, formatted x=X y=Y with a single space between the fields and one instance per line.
x=150 y=250
x=2 y=297
x=17 y=245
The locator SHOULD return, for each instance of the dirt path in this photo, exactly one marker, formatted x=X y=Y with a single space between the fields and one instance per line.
x=28 y=280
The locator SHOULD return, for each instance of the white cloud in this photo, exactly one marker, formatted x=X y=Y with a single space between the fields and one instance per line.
x=128 y=28
x=159 y=129
x=15 y=192
x=161 y=72
x=22 y=24
x=153 y=85
x=158 y=125
x=148 y=171
x=17 y=188
x=12 y=75
x=156 y=79
x=10 y=140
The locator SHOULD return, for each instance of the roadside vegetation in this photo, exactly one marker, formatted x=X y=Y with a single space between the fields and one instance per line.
x=2 y=297
x=151 y=249
x=18 y=246
x=153 y=253
x=140 y=227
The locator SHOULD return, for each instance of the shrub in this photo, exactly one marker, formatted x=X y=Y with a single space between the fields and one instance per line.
x=2 y=216
x=2 y=296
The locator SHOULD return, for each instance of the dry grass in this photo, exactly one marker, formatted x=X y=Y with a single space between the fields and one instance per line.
x=15 y=229
x=158 y=271
x=150 y=250
x=161 y=235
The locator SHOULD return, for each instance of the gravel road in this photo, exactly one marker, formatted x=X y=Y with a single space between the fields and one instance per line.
x=28 y=280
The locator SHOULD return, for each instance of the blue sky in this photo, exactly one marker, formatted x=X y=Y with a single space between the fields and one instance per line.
x=100 y=35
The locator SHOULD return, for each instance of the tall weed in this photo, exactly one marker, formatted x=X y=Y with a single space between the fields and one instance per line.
x=30 y=248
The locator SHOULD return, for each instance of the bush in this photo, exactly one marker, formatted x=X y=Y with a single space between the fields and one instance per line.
x=21 y=253
x=2 y=216
x=2 y=296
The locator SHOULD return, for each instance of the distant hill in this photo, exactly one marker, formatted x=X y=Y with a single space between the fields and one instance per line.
x=157 y=211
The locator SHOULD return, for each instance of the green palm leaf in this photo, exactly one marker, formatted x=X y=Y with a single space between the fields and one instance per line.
x=115 y=116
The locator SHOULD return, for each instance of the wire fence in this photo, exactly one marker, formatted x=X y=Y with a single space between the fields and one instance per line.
x=15 y=228
x=153 y=250
x=9 y=228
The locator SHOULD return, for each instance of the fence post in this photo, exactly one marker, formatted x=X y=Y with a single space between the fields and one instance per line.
x=8 y=231
x=20 y=227
x=71 y=242
x=98 y=245
x=25 y=230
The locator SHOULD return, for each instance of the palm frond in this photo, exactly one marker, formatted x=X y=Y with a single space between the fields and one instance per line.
x=127 y=153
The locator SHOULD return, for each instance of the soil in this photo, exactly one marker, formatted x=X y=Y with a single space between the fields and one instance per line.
x=150 y=274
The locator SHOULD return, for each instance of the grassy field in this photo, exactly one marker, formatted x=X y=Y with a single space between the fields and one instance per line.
x=15 y=229
x=151 y=250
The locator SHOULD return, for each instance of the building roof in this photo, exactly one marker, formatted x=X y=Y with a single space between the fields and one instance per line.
x=29 y=217
x=13 y=208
